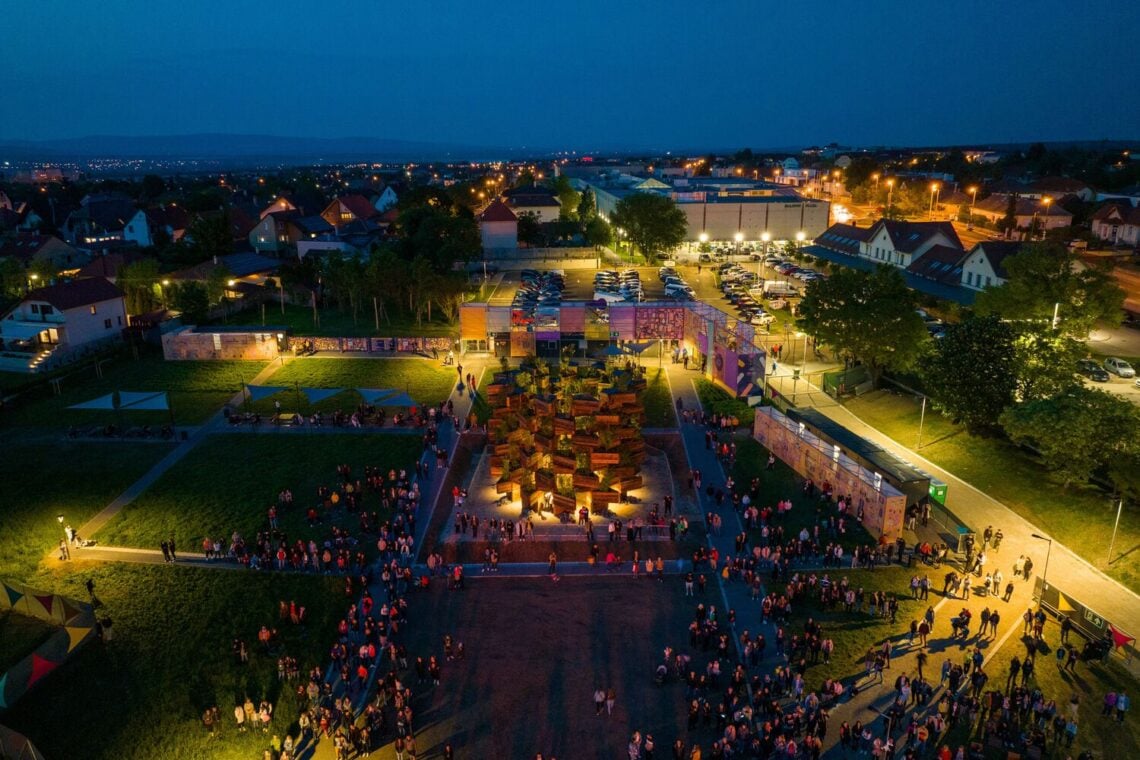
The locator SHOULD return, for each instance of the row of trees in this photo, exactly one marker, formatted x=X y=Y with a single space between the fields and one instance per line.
x=1008 y=367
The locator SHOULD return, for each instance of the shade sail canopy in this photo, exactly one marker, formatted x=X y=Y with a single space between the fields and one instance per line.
x=147 y=401
x=103 y=403
x=612 y=350
x=372 y=395
x=320 y=394
x=401 y=399
x=258 y=392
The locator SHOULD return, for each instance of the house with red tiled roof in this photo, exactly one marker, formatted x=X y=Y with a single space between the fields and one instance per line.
x=348 y=209
x=31 y=248
x=899 y=243
x=65 y=315
x=1117 y=223
x=499 y=227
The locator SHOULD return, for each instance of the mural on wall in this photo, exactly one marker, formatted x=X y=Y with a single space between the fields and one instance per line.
x=660 y=322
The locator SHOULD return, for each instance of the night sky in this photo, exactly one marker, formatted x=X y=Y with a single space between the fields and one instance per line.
x=576 y=74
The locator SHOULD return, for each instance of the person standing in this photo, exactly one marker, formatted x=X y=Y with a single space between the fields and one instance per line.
x=64 y=552
x=611 y=700
x=553 y=568
x=165 y=551
x=173 y=556
x=599 y=701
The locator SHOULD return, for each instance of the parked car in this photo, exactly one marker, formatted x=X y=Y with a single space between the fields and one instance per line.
x=1118 y=366
x=704 y=258
x=1092 y=370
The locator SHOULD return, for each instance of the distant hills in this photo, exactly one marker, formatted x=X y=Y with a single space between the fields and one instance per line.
x=230 y=148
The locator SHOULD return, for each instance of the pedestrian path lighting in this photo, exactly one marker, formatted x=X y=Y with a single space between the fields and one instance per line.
x=1049 y=551
x=739 y=238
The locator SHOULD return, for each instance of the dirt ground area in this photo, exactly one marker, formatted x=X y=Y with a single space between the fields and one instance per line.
x=535 y=652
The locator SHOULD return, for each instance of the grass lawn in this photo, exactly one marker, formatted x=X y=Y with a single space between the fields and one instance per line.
x=781 y=482
x=658 y=400
x=19 y=636
x=299 y=320
x=425 y=380
x=229 y=482
x=1081 y=516
x=716 y=399
x=142 y=694
x=43 y=480
x=1103 y=736
x=197 y=390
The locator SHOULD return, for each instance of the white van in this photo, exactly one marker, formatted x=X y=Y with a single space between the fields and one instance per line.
x=673 y=288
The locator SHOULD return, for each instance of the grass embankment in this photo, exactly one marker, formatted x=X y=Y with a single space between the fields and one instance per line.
x=657 y=399
x=228 y=483
x=1081 y=515
x=423 y=379
x=333 y=322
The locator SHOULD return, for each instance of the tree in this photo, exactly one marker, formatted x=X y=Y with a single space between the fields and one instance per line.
x=139 y=282
x=587 y=206
x=152 y=187
x=1077 y=432
x=869 y=316
x=651 y=222
x=210 y=235
x=441 y=235
x=191 y=299
x=971 y=372
x=1046 y=277
x=598 y=232
x=1045 y=361
x=530 y=230
x=568 y=197
x=1008 y=223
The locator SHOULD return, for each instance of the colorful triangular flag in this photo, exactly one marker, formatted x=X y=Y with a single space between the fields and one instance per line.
x=40 y=668
x=1119 y=637
x=14 y=596
x=75 y=635
x=48 y=602
x=1064 y=605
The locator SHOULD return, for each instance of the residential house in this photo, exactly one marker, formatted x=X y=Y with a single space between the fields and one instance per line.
x=984 y=266
x=100 y=218
x=347 y=209
x=941 y=263
x=1117 y=223
x=307 y=228
x=385 y=200
x=271 y=234
x=281 y=203
x=29 y=249
x=148 y=226
x=108 y=266
x=1048 y=216
x=539 y=201
x=243 y=273
x=891 y=241
x=499 y=227
x=65 y=316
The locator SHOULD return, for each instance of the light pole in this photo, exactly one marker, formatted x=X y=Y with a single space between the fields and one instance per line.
x=165 y=285
x=933 y=190
x=921 y=419
x=1045 y=222
x=890 y=196
x=800 y=236
x=1112 y=543
x=973 y=202
x=1045 y=573
x=739 y=238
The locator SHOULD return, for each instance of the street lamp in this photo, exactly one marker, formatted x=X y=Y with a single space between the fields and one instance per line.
x=1045 y=223
x=890 y=195
x=933 y=189
x=1045 y=573
x=973 y=201
x=739 y=238
x=800 y=242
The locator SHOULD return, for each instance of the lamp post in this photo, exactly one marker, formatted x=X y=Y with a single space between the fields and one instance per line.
x=921 y=420
x=933 y=190
x=1045 y=222
x=890 y=196
x=800 y=236
x=1048 y=553
x=60 y=518
x=973 y=202
x=165 y=285
x=1112 y=543
x=739 y=238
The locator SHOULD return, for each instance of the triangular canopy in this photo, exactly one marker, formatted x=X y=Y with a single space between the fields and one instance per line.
x=401 y=399
x=320 y=394
x=637 y=348
x=372 y=395
x=612 y=350
x=103 y=402
x=146 y=401
x=258 y=392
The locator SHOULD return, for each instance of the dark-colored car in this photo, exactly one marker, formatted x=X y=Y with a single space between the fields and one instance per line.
x=1092 y=371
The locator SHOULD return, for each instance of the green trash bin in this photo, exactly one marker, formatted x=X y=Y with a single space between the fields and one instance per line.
x=938 y=491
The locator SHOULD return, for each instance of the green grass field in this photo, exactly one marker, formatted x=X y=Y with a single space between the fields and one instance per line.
x=423 y=379
x=141 y=695
x=1081 y=516
x=228 y=483
x=45 y=479
x=658 y=400
x=197 y=390
x=19 y=637
x=299 y=320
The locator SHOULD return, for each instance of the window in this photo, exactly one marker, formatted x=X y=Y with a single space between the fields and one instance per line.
x=969 y=278
x=988 y=281
x=106 y=324
x=120 y=319
x=35 y=308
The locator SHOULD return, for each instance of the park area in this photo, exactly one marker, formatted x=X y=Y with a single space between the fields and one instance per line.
x=228 y=483
x=425 y=380
x=1081 y=515
x=299 y=321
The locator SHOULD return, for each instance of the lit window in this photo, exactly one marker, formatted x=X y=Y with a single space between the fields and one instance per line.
x=92 y=309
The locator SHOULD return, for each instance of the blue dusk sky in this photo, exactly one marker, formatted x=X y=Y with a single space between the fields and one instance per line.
x=581 y=74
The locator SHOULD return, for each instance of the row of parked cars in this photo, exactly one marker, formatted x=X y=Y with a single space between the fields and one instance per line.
x=675 y=286
x=613 y=286
x=537 y=292
x=1099 y=373
x=789 y=269
x=745 y=294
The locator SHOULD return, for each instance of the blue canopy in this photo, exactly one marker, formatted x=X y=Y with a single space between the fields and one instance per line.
x=258 y=392
x=103 y=403
x=372 y=395
x=146 y=401
x=320 y=394
x=401 y=399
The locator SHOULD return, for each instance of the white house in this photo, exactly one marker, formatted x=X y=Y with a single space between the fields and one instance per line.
x=984 y=266
x=899 y=243
x=385 y=200
x=66 y=315
x=1117 y=223
x=145 y=226
x=534 y=200
x=499 y=227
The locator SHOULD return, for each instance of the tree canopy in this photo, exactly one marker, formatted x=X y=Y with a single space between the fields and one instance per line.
x=971 y=372
x=1078 y=431
x=1046 y=276
x=869 y=316
x=652 y=222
